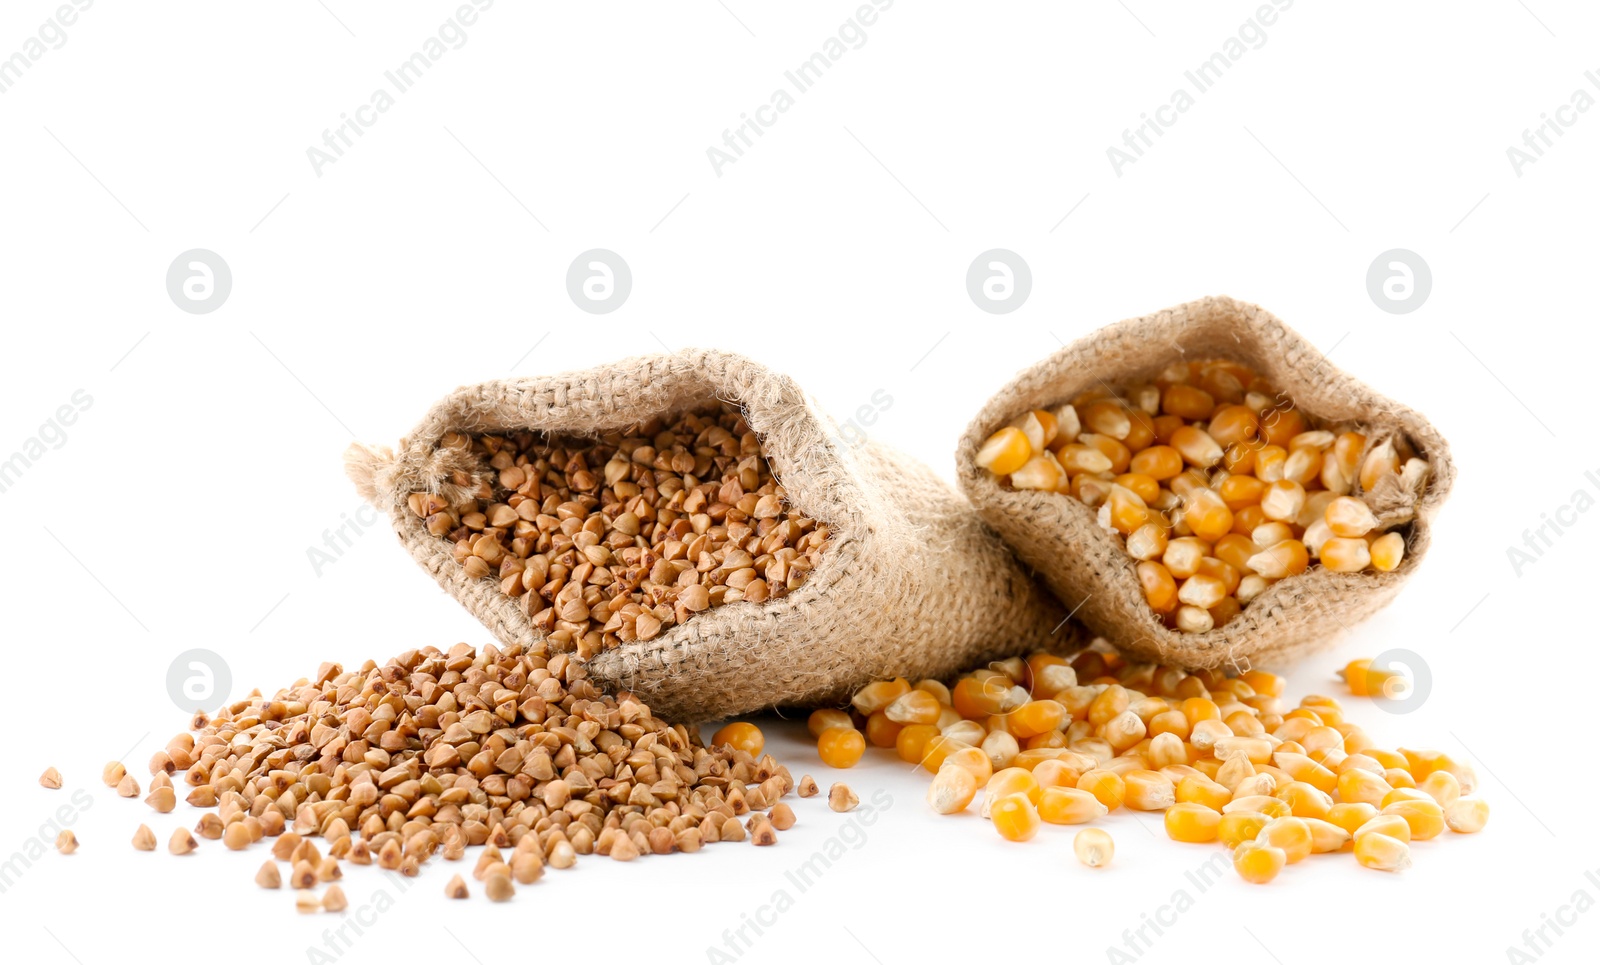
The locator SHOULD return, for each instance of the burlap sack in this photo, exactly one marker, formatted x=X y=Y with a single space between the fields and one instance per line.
x=913 y=583
x=1089 y=569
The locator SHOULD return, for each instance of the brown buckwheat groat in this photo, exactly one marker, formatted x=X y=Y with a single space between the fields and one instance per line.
x=1069 y=512
x=696 y=531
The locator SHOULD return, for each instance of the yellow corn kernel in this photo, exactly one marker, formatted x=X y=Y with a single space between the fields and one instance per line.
x=1425 y=817
x=1283 y=559
x=1196 y=446
x=1392 y=825
x=1382 y=853
x=1037 y=717
x=1258 y=863
x=1207 y=515
x=1258 y=750
x=1166 y=750
x=1290 y=835
x=1160 y=590
x=1006 y=782
x=1148 y=542
x=1001 y=748
x=1111 y=702
x=1467 y=815
x=841 y=746
x=1183 y=555
x=1302 y=768
x=1234 y=771
x=1403 y=794
x=1201 y=790
x=1365 y=787
x=1237 y=827
x=1107 y=787
x=1192 y=823
x=913 y=707
x=972 y=760
x=1040 y=472
x=1172 y=722
x=1349 y=517
x=1283 y=500
x=1093 y=847
x=740 y=735
x=1381 y=461
x=881 y=731
x=1193 y=619
x=1261 y=803
x=937 y=749
x=1233 y=424
x=1160 y=463
x=1399 y=777
x=1106 y=418
x=952 y=790
x=1015 y=817
x=965 y=731
x=1258 y=784
x=1305 y=801
x=878 y=695
x=823 y=718
x=1068 y=805
x=1004 y=452
x=1326 y=836
x=912 y=741
x=1351 y=815
x=1145 y=487
x=1034 y=756
x=1038 y=426
x=1202 y=591
x=1146 y=790
x=1387 y=551
x=1345 y=555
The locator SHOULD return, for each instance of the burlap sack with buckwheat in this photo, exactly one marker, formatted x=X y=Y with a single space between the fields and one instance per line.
x=1091 y=572
x=912 y=583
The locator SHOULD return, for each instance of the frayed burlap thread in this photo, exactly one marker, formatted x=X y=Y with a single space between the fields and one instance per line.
x=912 y=583
x=1088 y=568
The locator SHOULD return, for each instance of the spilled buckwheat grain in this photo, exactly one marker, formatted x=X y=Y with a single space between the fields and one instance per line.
x=614 y=539
x=436 y=751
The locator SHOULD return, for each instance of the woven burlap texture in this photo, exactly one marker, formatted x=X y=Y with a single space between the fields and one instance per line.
x=1088 y=568
x=912 y=583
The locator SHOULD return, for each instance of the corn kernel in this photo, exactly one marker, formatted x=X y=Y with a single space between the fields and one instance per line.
x=1258 y=863
x=1467 y=815
x=741 y=736
x=1068 y=805
x=1093 y=847
x=1290 y=835
x=912 y=741
x=1192 y=823
x=1107 y=787
x=823 y=718
x=1237 y=827
x=1006 y=782
x=952 y=790
x=1351 y=815
x=1425 y=818
x=1015 y=817
x=841 y=747
x=1382 y=853
x=1004 y=452
x=1326 y=836
x=1148 y=790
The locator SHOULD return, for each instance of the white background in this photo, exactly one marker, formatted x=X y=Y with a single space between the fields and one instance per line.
x=179 y=511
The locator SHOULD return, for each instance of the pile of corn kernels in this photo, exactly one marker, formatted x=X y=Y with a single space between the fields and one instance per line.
x=1225 y=758
x=1217 y=484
